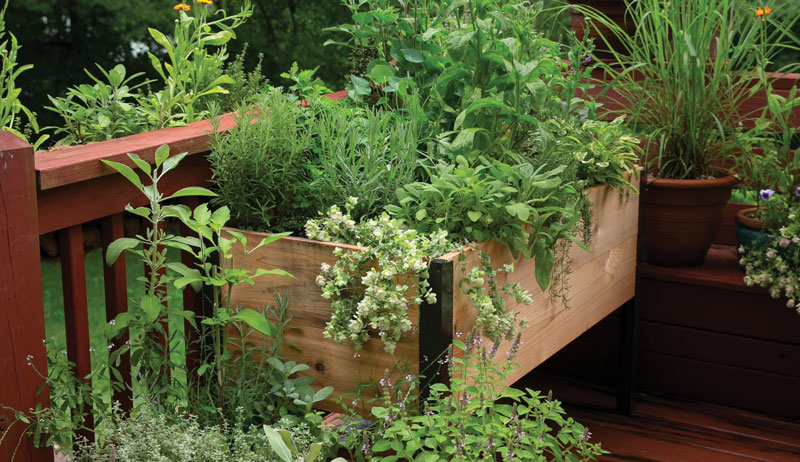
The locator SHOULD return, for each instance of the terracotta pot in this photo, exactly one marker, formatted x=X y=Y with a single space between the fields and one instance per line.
x=744 y=218
x=616 y=12
x=681 y=218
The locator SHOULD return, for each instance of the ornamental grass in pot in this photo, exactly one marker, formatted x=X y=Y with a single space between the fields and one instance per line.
x=683 y=79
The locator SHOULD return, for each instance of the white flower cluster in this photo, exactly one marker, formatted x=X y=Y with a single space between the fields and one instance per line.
x=776 y=266
x=371 y=289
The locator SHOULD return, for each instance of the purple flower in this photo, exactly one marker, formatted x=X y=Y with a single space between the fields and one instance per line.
x=797 y=191
x=766 y=194
x=587 y=60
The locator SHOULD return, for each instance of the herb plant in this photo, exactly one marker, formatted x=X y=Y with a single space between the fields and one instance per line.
x=366 y=154
x=464 y=421
x=260 y=166
x=192 y=69
x=686 y=73
x=101 y=111
x=11 y=109
x=372 y=288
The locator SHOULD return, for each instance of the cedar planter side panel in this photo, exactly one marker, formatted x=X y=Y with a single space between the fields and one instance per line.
x=600 y=282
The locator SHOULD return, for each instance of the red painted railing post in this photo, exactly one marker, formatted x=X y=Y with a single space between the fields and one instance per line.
x=21 y=306
x=116 y=288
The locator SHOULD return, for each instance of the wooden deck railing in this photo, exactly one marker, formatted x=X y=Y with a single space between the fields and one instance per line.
x=60 y=191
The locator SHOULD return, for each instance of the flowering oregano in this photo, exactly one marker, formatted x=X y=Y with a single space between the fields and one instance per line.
x=371 y=289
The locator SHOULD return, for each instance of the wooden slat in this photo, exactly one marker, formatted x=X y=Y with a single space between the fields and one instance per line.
x=21 y=305
x=330 y=364
x=716 y=383
x=76 y=313
x=78 y=164
x=721 y=270
x=601 y=281
x=747 y=314
x=100 y=197
x=116 y=296
x=724 y=349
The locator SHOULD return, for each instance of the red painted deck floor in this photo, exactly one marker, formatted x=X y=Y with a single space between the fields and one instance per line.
x=671 y=430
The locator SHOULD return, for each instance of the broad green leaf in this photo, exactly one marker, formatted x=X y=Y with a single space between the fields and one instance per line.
x=474 y=215
x=172 y=162
x=361 y=86
x=192 y=191
x=151 y=306
x=277 y=444
x=141 y=211
x=125 y=171
x=413 y=56
x=161 y=154
x=544 y=267
x=270 y=239
x=255 y=320
x=117 y=247
x=272 y=272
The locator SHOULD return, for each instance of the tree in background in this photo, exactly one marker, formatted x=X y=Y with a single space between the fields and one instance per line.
x=62 y=38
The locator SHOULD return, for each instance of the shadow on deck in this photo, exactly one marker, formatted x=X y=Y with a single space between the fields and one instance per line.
x=665 y=429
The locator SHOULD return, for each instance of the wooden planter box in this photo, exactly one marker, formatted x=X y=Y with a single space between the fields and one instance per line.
x=601 y=281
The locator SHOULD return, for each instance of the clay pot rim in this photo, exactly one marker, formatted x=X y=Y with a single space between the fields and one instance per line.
x=743 y=218
x=723 y=182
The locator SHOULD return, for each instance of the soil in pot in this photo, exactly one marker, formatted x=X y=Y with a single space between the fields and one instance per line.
x=681 y=218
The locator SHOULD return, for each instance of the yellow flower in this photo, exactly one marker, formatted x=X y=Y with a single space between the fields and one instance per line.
x=760 y=12
x=182 y=6
x=205 y=2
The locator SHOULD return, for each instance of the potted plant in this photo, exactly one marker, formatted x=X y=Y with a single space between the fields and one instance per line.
x=768 y=234
x=683 y=80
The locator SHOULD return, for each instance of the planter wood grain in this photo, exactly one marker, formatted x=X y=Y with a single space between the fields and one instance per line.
x=600 y=282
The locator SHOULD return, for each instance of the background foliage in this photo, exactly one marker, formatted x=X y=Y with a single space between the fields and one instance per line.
x=62 y=38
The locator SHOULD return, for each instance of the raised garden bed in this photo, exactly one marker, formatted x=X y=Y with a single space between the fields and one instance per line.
x=600 y=282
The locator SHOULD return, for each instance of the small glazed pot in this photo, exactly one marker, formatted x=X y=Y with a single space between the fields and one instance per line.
x=750 y=231
x=681 y=218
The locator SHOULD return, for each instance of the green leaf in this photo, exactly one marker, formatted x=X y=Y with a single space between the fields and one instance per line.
x=255 y=320
x=272 y=272
x=313 y=452
x=151 y=306
x=277 y=444
x=172 y=162
x=162 y=153
x=412 y=55
x=220 y=38
x=141 y=211
x=520 y=210
x=323 y=393
x=361 y=86
x=117 y=247
x=270 y=239
x=125 y=171
x=544 y=267
x=421 y=214
x=143 y=166
x=192 y=191
x=474 y=215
